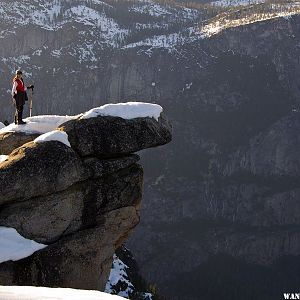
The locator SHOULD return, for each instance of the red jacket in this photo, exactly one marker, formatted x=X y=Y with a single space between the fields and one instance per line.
x=20 y=85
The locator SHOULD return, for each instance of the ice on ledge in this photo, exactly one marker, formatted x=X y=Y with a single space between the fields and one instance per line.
x=55 y=135
x=39 y=124
x=128 y=110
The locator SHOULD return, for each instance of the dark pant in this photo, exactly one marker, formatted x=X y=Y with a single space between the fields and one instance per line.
x=19 y=103
x=19 y=113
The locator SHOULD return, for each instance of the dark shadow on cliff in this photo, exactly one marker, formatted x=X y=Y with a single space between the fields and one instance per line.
x=224 y=277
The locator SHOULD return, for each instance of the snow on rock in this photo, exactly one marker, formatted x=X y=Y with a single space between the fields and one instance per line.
x=43 y=293
x=118 y=274
x=168 y=41
x=97 y=19
x=119 y=282
x=3 y=158
x=15 y=247
x=148 y=296
x=152 y=9
x=55 y=135
x=1 y=125
x=48 y=123
x=39 y=124
x=219 y=25
x=226 y=3
x=128 y=110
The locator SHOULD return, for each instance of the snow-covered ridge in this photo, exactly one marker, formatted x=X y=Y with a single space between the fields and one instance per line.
x=53 y=15
x=94 y=18
x=256 y=9
x=221 y=23
x=50 y=15
x=43 y=293
x=151 y=9
x=15 y=247
x=155 y=9
x=100 y=25
x=228 y=3
x=167 y=41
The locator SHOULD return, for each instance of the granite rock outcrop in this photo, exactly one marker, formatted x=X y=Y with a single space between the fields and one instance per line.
x=81 y=201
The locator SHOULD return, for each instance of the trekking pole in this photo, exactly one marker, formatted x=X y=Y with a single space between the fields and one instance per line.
x=30 y=104
x=13 y=108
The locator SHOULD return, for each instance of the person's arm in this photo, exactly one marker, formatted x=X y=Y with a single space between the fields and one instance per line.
x=14 y=89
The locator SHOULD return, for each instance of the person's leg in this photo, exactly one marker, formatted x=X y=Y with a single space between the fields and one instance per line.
x=16 y=116
x=17 y=105
x=19 y=108
x=20 y=114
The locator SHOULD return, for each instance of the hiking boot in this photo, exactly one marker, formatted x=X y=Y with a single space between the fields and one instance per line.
x=21 y=123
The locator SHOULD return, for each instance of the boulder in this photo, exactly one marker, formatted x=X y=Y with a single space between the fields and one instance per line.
x=39 y=169
x=107 y=136
x=82 y=260
x=78 y=207
x=12 y=140
x=81 y=201
x=101 y=167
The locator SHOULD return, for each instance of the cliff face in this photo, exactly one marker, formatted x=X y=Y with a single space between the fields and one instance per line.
x=230 y=207
x=81 y=201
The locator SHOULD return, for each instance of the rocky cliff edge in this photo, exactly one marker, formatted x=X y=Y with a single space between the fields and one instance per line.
x=79 y=195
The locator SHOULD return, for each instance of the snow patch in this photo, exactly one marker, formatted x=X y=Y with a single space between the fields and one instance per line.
x=217 y=26
x=43 y=293
x=188 y=85
x=39 y=124
x=167 y=41
x=148 y=296
x=56 y=52
x=3 y=158
x=118 y=274
x=1 y=125
x=111 y=31
x=15 y=247
x=152 y=9
x=128 y=110
x=227 y=3
x=37 y=52
x=55 y=135
x=46 y=123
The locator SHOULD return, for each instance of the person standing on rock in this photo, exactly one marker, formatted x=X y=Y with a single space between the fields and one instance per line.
x=19 y=95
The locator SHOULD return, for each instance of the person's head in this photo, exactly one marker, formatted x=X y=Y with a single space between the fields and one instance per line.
x=18 y=74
